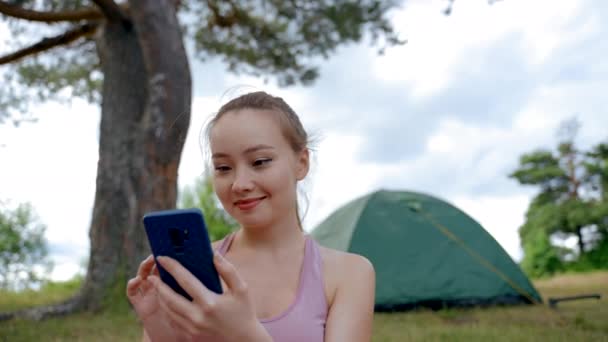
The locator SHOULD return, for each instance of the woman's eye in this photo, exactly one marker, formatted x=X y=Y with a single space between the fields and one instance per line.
x=261 y=161
x=222 y=168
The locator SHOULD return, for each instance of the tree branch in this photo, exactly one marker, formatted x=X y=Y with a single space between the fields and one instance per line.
x=111 y=10
x=14 y=11
x=49 y=43
x=218 y=19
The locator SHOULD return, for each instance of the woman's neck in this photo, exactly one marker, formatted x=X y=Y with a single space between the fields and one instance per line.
x=285 y=233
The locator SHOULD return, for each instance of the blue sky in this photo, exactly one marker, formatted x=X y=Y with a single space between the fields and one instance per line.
x=447 y=114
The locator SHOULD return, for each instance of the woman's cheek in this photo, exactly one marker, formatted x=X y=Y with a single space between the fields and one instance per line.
x=222 y=189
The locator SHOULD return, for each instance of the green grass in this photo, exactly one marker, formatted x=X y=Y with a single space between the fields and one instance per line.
x=584 y=320
x=49 y=293
x=117 y=324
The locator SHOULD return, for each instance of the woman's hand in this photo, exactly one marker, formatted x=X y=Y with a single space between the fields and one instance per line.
x=143 y=296
x=141 y=291
x=229 y=316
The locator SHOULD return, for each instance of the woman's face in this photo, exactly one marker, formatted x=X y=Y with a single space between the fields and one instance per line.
x=255 y=169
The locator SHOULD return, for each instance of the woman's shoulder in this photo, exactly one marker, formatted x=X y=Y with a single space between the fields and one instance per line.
x=336 y=260
x=342 y=269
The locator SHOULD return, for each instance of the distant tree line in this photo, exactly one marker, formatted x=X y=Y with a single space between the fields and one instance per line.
x=571 y=206
x=24 y=259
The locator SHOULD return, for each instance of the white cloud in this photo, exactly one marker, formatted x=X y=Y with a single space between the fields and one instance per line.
x=4 y=34
x=555 y=103
x=64 y=270
x=438 y=44
x=500 y=216
x=52 y=164
x=337 y=177
x=461 y=157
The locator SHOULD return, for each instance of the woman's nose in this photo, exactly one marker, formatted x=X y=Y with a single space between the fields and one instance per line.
x=243 y=182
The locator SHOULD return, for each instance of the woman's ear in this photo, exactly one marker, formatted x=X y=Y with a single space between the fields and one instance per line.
x=302 y=164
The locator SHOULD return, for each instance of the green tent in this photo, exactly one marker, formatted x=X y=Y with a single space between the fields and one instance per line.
x=426 y=252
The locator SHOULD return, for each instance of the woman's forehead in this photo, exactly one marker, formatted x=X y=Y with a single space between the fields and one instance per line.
x=245 y=119
x=242 y=130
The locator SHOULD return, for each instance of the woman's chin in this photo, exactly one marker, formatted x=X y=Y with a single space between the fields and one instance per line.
x=255 y=223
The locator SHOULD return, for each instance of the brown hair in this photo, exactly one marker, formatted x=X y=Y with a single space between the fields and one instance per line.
x=290 y=123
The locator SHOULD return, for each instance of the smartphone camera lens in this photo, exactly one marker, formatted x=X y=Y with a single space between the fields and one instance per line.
x=177 y=239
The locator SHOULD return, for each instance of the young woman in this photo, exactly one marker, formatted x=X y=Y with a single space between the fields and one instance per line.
x=280 y=285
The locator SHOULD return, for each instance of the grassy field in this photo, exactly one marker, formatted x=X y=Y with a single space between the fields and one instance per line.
x=585 y=320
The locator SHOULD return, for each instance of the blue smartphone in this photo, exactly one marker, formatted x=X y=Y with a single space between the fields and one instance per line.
x=182 y=235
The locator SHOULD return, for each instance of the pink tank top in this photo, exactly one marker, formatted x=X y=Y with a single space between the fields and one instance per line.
x=304 y=320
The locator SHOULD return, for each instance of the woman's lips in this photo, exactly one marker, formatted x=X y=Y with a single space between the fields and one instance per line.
x=248 y=204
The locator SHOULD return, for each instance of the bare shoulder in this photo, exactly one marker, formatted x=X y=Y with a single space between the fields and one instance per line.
x=338 y=260
x=342 y=269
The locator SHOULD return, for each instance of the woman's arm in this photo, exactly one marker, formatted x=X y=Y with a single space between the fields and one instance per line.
x=351 y=313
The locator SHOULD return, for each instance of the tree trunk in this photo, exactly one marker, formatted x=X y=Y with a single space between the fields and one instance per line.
x=145 y=119
x=115 y=208
x=581 y=244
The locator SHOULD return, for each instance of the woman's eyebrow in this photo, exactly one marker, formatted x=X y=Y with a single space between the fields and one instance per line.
x=256 y=148
x=249 y=150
